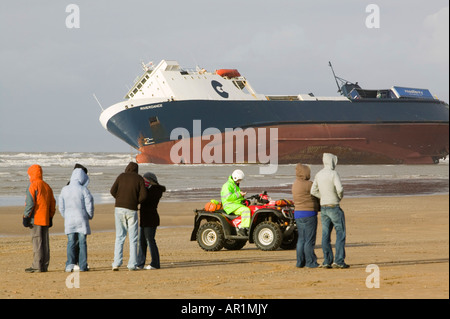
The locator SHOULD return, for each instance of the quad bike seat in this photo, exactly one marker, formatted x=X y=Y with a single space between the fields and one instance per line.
x=229 y=216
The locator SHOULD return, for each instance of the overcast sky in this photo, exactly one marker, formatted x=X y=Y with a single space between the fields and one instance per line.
x=49 y=72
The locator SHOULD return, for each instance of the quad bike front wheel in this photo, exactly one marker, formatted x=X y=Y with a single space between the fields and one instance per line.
x=210 y=236
x=268 y=236
x=290 y=242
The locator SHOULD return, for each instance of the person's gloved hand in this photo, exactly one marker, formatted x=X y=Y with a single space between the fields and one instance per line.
x=27 y=222
x=51 y=222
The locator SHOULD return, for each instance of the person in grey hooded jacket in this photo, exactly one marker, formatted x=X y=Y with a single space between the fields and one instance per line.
x=328 y=187
x=76 y=206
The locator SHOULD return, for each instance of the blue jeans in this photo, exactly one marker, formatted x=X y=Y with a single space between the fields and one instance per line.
x=147 y=239
x=76 y=251
x=307 y=229
x=126 y=221
x=333 y=217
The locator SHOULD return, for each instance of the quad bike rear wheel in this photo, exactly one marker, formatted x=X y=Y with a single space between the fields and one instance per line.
x=267 y=236
x=210 y=236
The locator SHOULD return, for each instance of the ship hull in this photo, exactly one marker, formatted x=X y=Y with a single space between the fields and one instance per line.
x=358 y=132
x=305 y=143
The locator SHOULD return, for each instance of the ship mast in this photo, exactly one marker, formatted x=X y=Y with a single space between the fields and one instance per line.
x=335 y=77
x=346 y=86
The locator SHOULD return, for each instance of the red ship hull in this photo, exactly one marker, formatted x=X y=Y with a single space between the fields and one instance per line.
x=394 y=143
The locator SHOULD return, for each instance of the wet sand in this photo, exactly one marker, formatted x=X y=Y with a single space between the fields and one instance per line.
x=407 y=238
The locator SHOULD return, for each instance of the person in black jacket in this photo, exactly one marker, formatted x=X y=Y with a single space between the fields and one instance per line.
x=129 y=191
x=149 y=221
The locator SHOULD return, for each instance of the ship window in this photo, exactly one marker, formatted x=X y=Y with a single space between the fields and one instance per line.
x=135 y=91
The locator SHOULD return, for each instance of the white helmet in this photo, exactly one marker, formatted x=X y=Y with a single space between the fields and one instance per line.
x=237 y=175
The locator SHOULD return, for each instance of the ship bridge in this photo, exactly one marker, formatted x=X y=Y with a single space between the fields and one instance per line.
x=169 y=82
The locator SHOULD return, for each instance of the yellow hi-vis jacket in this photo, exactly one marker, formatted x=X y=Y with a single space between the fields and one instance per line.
x=231 y=196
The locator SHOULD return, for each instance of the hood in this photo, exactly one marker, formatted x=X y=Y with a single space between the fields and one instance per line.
x=303 y=172
x=329 y=160
x=82 y=167
x=151 y=177
x=34 y=172
x=79 y=177
x=132 y=167
x=230 y=179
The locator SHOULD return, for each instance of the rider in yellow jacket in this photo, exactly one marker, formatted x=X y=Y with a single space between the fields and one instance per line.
x=232 y=198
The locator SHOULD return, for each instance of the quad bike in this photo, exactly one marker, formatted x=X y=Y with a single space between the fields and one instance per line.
x=272 y=226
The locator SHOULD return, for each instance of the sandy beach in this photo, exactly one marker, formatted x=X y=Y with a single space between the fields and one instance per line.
x=407 y=238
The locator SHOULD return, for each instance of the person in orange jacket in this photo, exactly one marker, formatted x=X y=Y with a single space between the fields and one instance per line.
x=40 y=207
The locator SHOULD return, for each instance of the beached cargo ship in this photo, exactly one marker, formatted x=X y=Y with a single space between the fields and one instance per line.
x=169 y=105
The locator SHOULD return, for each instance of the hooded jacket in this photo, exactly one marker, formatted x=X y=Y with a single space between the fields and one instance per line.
x=149 y=216
x=76 y=204
x=327 y=183
x=129 y=188
x=231 y=196
x=40 y=204
x=301 y=189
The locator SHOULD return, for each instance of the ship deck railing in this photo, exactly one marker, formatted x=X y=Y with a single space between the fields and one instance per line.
x=305 y=97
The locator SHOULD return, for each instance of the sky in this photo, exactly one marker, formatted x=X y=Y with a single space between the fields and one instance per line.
x=49 y=70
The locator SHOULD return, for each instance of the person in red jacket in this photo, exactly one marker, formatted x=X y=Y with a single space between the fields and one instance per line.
x=40 y=207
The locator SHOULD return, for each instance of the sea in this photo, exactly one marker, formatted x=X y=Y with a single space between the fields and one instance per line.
x=202 y=182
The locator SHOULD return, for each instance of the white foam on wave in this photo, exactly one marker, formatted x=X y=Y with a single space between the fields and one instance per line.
x=181 y=180
x=64 y=159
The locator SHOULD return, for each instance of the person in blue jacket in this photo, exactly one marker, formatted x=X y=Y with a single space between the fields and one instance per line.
x=76 y=206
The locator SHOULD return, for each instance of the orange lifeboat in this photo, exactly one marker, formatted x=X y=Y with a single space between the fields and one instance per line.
x=229 y=73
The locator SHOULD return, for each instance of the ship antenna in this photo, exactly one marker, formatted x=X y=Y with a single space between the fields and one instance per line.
x=98 y=102
x=335 y=77
x=147 y=67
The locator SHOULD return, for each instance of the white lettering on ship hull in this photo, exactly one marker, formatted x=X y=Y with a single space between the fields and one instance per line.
x=148 y=107
x=234 y=146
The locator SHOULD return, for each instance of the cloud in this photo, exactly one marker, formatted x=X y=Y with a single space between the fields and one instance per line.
x=434 y=40
x=264 y=45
